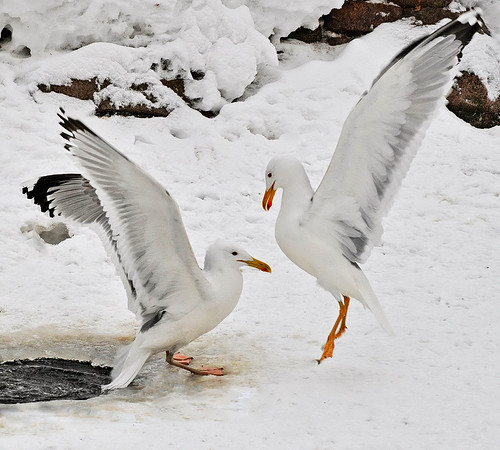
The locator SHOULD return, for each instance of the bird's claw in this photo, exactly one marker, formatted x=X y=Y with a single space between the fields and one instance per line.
x=183 y=359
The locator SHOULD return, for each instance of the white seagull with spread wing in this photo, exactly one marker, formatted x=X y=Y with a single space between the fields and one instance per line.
x=328 y=232
x=141 y=227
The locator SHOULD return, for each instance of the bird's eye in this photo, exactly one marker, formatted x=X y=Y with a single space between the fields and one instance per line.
x=269 y=175
x=234 y=253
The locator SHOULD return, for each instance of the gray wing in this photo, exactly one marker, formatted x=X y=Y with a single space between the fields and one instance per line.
x=381 y=136
x=142 y=222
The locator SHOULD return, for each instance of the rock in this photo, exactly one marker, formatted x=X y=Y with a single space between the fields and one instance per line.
x=82 y=89
x=308 y=36
x=85 y=90
x=20 y=51
x=151 y=107
x=6 y=34
x=177 y=85
x=107 y=108
x=429 y=16
x=358 y=17
x=469 y=101
x=54 y=234
x=422 y=3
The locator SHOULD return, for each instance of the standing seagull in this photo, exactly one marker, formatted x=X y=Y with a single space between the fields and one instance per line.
x=328 y=232
x=141 y=227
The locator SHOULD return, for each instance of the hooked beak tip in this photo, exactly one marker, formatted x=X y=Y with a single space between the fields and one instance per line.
x=256 y=264
x=267 y=200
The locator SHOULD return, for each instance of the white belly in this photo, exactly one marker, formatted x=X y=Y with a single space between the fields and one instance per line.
x=321 y=259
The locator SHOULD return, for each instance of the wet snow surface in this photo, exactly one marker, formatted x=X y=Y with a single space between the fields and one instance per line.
x=44 y=379
x=432 y=385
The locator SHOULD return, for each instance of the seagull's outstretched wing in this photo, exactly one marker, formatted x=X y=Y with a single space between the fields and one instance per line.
x=141 y=221
x=381 y=136
x=70 y=195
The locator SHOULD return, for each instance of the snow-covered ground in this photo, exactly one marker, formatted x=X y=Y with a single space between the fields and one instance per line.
x=432 y=385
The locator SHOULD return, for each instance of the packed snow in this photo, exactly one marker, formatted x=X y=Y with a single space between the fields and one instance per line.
x=432 y=385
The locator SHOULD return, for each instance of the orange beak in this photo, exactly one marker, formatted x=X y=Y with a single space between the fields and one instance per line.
x=255 y=263
x=267 y=201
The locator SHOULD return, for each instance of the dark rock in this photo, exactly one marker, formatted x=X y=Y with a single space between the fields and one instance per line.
x=356 y=18
x=166 y=64
x=177 y=85
x=85 y=90
x=198 y=74
x=430 y=15
x=107 y=108
x=6 y=34
x=306 y=35
x=422 y=3
x=469 y=101
x=82 y=89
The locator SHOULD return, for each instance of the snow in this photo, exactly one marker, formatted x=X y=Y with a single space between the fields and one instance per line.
x=432 y=385
x=202 y=35
x=482 y=59
x=276 y=19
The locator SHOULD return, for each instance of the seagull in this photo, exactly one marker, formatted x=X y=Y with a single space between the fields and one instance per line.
x=140 y=224
x=330 y=231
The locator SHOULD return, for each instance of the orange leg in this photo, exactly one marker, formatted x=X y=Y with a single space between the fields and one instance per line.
x=336 y=330
x=343 y=326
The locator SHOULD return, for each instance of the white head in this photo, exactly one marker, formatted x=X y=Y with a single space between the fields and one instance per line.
x=223 y=255
x=281 y=171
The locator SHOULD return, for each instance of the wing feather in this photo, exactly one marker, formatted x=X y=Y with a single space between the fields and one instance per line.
x=381 y=136
x=144 y=224
x=71 y=196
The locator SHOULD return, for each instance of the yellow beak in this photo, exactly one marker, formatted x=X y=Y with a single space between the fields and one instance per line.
x=256 y=264
x=267 y=201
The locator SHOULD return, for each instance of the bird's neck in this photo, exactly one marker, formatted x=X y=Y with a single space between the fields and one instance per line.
x=296 y=196
x=227 y=284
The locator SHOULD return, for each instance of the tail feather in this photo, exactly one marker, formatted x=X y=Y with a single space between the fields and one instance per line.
x=369 y=299
x=128 y=363
x=376 y=308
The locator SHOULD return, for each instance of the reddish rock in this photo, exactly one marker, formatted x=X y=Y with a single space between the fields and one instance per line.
x=356 y=18
x=177 y=85
x=107 y=108
x=469 y=101
x=429 y=16
x=85 y=90
x=306 y=35
x=82 y=89
x=422 y=3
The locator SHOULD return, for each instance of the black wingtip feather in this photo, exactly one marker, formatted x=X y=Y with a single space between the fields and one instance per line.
x=463 y=27
x=72 y=126
x=66 y=136
x=40 y=190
